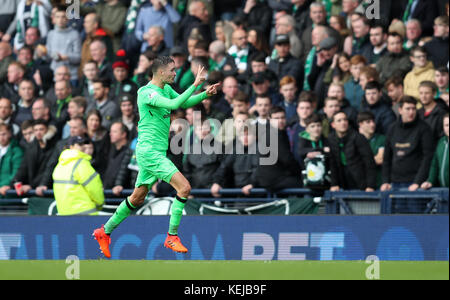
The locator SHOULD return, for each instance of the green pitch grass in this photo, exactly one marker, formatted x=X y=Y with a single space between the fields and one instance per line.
x=223 y=270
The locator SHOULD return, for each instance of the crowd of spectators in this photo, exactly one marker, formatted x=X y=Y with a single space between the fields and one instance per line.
x=357 y=100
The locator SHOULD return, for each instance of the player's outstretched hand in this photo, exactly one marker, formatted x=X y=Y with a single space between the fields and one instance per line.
x=200 y=78
x=212 y=89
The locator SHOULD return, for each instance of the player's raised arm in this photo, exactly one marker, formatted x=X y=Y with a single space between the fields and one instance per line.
x=164 y=73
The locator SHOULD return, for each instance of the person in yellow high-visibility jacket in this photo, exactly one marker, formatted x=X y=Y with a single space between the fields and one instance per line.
x=77 y=187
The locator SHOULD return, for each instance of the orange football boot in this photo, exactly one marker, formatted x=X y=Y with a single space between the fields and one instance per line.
x=173 y=242
x=103 y=240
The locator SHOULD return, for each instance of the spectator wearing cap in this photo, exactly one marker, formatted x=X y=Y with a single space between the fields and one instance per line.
x=396 y=62
x=77 y=187
x=437 y=48
x=184 y=77
x=322 y=62
x=11 y=155
x=156 y=13
x=286 y=25
x=107 y=107
x=285 y=64
x=128 y=114
x=154 y=40
x=121 y=84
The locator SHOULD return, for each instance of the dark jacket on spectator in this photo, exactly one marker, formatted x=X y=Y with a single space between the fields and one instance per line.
x=434 y=120
x=384 y=115
x=358 y=170
x=426 y=11
x=199 y=169
x=288 y=66
x=437 y=50
x=123 y=177
x=362 y=47
x=301 y=16
x=306 y=145
x=408 y=152
x=316 y=78
x=284 y=173
x=34 y=164
x=188 y=23
x=260 y=16
x=241 y=167
x=114 y=159
x=393 y=64
x=9 y=91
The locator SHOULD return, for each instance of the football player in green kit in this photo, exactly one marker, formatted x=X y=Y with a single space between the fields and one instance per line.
x=155 y=102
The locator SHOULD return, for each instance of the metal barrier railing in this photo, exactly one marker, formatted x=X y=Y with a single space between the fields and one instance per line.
x=335 y=202
x=389 y=202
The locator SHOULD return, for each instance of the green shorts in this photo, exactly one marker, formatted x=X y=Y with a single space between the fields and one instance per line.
x=153 y=166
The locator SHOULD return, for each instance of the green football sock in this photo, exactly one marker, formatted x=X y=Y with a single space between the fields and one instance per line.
x=177 y=212
x=122 y=212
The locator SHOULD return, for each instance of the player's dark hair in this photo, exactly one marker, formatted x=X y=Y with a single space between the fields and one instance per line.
x=161 y=62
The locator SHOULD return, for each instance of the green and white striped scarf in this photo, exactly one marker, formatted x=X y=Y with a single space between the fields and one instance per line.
x=308 y=68
x=240 y=57
x=34 y=23
x=130 y=22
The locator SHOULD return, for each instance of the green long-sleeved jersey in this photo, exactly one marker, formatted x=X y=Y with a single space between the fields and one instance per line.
x=155 y=105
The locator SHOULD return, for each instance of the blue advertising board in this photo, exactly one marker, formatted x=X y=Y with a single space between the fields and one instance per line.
x=416 y=238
